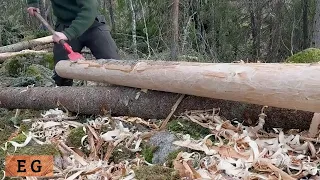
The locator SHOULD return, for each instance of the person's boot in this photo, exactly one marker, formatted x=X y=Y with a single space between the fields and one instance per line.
x=62 y=81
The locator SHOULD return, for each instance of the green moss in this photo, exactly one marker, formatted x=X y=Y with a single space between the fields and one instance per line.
x=25 y=126
x=20 y=138
x=33 y=71
x=6 y=125
x=171 y=157
x=13 y=67
x=46 y=149
x=74 y=138
x=309 y=55
x=120 y=154
x=148 y=151
x=156 y=173
x=187 y=127
x=48 y=60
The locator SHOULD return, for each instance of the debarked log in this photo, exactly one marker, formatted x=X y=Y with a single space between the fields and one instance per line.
x=8 y=55
x=290 y=86
x=26 y=44
x=126 y=101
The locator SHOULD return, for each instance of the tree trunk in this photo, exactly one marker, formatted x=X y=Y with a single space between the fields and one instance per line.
x=8 y=55
x=134 y=29
x=123 y=101
x=175 y=30
x=292 y=86
x=255 y=16
x=316 y=27
x=305 y=24
x=26 y=44
x=111 y=13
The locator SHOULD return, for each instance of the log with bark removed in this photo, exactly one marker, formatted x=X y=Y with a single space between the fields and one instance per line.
x=8 y=55
x=153 y=104
x=291 y=86
x=26 y=44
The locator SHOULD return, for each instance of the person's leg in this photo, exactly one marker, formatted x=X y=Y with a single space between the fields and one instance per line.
x=100 y=42
x=59 y=53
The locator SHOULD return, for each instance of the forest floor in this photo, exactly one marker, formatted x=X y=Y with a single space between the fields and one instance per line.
x=195 y=145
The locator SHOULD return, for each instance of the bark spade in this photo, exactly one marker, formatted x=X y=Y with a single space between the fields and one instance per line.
x=26 y=44
x=124 y=101
x=291 y=86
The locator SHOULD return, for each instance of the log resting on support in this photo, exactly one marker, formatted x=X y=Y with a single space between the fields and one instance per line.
x=291 y=86
x=8 y=55
x=123 y=101
x=26 y=44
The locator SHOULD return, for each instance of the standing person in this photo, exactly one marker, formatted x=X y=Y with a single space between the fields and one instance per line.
x=79 y=24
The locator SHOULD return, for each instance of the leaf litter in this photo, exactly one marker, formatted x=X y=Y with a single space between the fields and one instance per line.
x=231 y=151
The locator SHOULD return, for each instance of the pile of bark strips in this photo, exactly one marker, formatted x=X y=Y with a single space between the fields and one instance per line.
x=115 y=148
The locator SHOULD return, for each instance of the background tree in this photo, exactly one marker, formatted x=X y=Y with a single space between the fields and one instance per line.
x=203 y=30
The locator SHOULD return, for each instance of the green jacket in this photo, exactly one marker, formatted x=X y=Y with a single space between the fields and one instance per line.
x=80 y=14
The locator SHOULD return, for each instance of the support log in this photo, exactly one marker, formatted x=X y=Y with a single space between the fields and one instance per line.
x=26 y=44
x=123 y=101
x=8 y=55
x=292 y=86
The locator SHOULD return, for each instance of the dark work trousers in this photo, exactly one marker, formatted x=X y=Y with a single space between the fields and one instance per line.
x=97 y=38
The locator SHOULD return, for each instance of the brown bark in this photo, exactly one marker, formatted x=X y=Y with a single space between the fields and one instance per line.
x=26 y=44
x=8 y=55
x=154 y=104
x=291 y=86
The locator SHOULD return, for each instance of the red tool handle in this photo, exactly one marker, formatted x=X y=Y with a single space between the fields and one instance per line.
x=66 y=46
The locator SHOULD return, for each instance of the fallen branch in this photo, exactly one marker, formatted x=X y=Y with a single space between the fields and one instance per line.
x=8 y=55
x=26 y=44
x=121 y=101
x=174 y=108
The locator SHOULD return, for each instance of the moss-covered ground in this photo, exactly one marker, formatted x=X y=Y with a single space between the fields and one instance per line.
x=310 y=55
x=187 y=127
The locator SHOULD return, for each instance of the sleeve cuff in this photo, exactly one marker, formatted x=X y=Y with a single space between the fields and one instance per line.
x=36 y=5
x=70 y=33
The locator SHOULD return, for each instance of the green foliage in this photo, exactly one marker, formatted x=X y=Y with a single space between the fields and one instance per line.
x=33 y=71
x=49 y=60
x=212 y=30
x=14 y=67
x=309 y=55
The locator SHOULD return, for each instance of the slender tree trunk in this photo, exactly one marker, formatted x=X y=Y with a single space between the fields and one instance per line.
x=175 y=32
x=255 y=18
x=305 y=24
x=111 y=13
x=316 y=27
x=134 y=27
